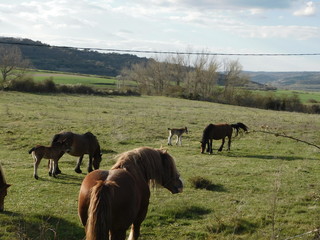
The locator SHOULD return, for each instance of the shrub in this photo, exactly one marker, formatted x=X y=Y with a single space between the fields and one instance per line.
x=24 y=85
x=200 y=183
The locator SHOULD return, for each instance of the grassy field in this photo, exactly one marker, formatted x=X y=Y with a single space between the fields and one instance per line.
x=68 y=78
x=111 y=83
x=266 y=187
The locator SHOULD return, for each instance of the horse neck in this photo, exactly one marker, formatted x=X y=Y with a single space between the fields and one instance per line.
x=144 y=165
x=207 y=132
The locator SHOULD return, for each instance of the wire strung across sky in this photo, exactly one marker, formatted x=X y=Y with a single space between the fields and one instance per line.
x=164 y=52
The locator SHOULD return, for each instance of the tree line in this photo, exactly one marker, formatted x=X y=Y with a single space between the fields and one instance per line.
x=199 y=78
x=205 y=78
x=181 y=75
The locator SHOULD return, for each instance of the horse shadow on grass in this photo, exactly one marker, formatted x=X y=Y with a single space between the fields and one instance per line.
x=64 y=178
x=171 y=214
x=267 y=157
x=36 y=226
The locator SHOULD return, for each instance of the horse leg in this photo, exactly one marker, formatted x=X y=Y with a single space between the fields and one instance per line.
x=36 y=165
x=54 y=163
x=58 y=171
x=229 y=142
x=220 y=149
x=210 y=146
x=50 y=167
x=90 y=164
x=135 y=228
x=177 y=142
x=135 y=232
x=77 y=168
x=118 y=235
x=169 y=139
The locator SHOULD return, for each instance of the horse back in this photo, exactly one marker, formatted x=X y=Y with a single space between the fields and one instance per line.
x=125 y=200
x=80 y=143
x=219 y=131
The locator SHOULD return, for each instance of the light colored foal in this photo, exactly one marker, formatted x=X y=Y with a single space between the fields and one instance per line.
x=178 y=132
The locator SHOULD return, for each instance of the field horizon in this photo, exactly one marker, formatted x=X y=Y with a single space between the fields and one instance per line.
x=266 y=187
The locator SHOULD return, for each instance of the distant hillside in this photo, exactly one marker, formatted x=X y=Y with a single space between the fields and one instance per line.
x=288 y=80
x=46 y=57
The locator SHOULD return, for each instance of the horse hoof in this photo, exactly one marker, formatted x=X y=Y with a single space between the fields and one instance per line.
x=36 y=177
x=58 y=171
x=78 y=170
x=50 y=174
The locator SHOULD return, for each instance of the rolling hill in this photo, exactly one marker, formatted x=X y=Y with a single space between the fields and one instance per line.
x=288 y=80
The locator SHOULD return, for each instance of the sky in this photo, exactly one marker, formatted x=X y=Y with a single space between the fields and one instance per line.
x=213 y=26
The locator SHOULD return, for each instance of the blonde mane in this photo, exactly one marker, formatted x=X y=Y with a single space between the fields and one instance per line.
x=147 y=163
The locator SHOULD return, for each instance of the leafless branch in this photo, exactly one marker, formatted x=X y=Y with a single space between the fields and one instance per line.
x=286 y=136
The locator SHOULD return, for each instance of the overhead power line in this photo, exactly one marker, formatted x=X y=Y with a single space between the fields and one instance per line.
x=164 y=52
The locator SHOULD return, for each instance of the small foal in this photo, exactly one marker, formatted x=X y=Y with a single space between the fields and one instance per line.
x=178 y=132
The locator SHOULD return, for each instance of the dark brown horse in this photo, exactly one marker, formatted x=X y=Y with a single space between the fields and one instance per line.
x=219 y=131
x=111 y=201
x=81 y=144
x=3 y=189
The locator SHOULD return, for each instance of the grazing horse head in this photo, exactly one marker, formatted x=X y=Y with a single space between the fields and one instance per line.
x=97 y=159
x=170 y=176
x=203 y=146
x=153 y=165
x=3 y=189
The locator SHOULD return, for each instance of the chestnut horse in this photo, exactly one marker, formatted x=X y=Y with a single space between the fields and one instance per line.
x=219 y=131
x=111 y=201
x=3 y=189
x=80 y=144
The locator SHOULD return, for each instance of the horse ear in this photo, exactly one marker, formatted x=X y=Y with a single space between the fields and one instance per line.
x=163 y=150
x=8 y=185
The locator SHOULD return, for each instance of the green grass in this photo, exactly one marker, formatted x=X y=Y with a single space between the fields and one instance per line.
x=266 y=187
x=68 y=78
x=304 y=96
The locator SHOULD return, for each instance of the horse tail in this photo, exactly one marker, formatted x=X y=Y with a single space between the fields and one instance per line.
x=31 y=150
x=239 y=125
x=99 y=212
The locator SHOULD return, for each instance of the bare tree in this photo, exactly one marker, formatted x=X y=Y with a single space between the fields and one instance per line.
x=12 y=64
x=232 y=77
x=202 y=78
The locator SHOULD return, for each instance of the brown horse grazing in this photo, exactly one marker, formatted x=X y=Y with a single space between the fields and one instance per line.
x=52 y=153
x=3 y=189
x=81 y=144
x=219 y=131
x=111 y=201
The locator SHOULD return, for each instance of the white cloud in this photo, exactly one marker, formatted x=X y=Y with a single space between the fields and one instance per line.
x=308 y=10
